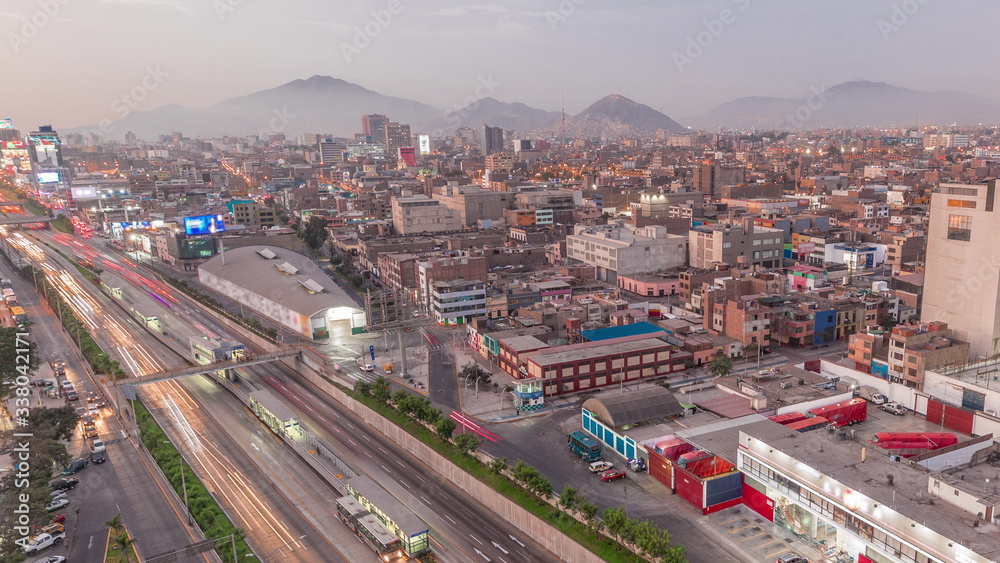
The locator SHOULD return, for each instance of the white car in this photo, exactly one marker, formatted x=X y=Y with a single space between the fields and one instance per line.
x=94 y=410
x=56 y=504
x=51 y=559
x=97 y=446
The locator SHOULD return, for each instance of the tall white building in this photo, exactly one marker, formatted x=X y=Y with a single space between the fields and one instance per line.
x=962 y=279
x=616 y=249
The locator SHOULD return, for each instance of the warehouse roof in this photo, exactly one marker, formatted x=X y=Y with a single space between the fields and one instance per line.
x=280 y=275
x=625 y=409
x=620 y=331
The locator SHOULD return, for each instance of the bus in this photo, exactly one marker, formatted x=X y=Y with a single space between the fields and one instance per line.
x=584 y=446
x=909 y=444
x=19 y=315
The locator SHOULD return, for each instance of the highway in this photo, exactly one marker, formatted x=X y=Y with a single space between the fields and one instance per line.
x=270 y=519
x=460 y=526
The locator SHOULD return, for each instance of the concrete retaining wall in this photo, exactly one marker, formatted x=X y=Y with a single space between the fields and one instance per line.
x=542 y=532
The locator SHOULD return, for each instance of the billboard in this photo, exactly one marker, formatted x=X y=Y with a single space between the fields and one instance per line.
x=425 y=144
x=204 y=225
x=6 y=123
x=48 y=177
x=806 y=247
x=83 y=193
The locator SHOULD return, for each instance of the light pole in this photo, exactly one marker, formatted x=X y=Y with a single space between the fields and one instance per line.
x=279 y=548
x=187 y=508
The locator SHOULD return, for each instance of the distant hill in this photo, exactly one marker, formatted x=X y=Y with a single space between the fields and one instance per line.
x=320 y=104
x=852 y=104
x=489 y=111
x=617 y=116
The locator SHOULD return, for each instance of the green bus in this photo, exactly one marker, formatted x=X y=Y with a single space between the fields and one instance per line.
x=584 y=446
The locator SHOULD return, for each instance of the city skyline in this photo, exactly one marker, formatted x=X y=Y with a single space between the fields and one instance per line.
x=682 y=58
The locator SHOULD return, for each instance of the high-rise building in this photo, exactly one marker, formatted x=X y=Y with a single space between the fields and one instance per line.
x=373 y=126
x=331 y=152
x=707 y=178
x=406 y=156
x=491 y=140
x=962 y=279
x=396 y=135
x=47 y=145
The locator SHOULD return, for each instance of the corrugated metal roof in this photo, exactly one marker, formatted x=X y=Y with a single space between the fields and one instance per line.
x=622 y=409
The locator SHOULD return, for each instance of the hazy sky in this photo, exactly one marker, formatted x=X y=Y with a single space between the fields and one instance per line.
x=71 y=64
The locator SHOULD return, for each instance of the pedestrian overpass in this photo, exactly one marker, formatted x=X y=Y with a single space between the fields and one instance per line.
x=185 y=371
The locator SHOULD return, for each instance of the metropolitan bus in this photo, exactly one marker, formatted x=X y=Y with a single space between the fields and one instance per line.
x=584 y=446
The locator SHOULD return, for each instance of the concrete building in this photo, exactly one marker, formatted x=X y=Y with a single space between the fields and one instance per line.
x=397 y=135
x=491 y=139
x=962 y=279
x=284 y=286
x=915 y=349
x=447 y=269
x=708 y=178
x=331 y=152
x=615 y=249
x=737 y=246
x=473 y=204
x=252 y=214
x=457 y=302
x=421 y=214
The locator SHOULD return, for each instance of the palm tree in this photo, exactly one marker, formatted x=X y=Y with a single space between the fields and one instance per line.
x=124 y=544
x=115 y=523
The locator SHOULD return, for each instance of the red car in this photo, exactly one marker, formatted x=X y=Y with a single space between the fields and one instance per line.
x=612 y=474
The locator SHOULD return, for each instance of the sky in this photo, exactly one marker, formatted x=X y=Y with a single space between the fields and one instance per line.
x=76 y=62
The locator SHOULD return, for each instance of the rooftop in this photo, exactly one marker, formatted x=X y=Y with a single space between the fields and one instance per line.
x=575 y=352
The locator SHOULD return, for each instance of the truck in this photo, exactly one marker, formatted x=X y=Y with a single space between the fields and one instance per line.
x=42 y=541
x=845 y=413
x=869 y=393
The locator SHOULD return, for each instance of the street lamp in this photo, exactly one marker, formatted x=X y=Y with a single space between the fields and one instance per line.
x=300 y=538
x=187 y=508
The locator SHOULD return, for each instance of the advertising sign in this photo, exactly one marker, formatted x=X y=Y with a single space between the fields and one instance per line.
x=48 y=177
x=84 y=193
x=6 y=123
x=425 y=144
x=204 y=225
x=807 y=247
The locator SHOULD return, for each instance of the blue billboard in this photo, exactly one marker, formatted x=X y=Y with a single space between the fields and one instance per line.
x=204 y=225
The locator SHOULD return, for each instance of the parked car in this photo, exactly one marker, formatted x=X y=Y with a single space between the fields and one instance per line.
x=56 y=505
x=59 y=519
x=51 y=559
x=63 y=483
x=43 y=383
x=612 y=474
x=59 y=494
x=791 y=558
x=75 y=466
x=42 y=541
x=893 y=408
x=599 y=466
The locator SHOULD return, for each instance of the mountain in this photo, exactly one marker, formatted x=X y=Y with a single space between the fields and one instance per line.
x=852 y=104
x=617 y=116
x=489 y=111
x=320 y=104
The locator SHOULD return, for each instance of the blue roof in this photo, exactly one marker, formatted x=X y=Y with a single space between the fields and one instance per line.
x=620 y=331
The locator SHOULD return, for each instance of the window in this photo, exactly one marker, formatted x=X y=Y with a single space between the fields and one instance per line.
x=959 y=227
x=961 y=203
x=727 y=245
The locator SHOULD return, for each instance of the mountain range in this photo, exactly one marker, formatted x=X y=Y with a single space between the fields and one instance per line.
x=327 y=105
x=851 y=104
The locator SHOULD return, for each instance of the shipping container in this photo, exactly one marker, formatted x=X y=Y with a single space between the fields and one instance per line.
x=846 y=413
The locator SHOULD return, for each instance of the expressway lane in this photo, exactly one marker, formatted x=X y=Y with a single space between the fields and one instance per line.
x=456 y=520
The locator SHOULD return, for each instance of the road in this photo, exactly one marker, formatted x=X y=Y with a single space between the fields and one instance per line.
x=459 y=524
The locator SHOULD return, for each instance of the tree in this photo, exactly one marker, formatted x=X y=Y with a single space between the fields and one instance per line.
x=569 y=499
x=751 y=350
x=588 y=509
x=887 y=322
x=124 y=544
x=60 y=421
x=363 y=388
x=498 y=465
x=466 y=442
x=18 y=358
x=445 y=428
x=720 y=365
x=615 y=521
x=314 y=232
x=380 y=390
x=115 y=523
x=475 y=372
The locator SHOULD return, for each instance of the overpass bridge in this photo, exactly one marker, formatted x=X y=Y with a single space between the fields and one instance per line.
x=185 y=371
x=22 y=220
